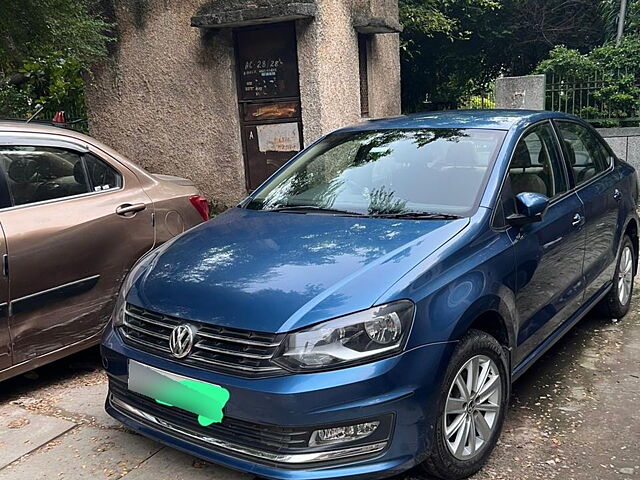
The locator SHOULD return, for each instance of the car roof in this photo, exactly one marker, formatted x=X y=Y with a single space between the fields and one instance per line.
x=488 y=119
x=35 y=126
x=497 y=119
x=68 y=136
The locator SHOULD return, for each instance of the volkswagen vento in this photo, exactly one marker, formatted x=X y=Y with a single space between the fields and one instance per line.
x=368 y=307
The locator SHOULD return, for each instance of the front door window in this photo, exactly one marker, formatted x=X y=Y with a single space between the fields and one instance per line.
x=536 y=166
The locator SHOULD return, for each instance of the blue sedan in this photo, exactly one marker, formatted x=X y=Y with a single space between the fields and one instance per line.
x=368 y=307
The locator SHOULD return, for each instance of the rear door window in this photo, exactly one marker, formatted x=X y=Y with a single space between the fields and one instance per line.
x=36 y=174
x=585 y=153
x=101 y=176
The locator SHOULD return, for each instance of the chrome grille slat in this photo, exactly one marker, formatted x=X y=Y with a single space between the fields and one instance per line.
x=217 y=348
x=232 y=352
x=256 y=343
x=146 y=332
x=150 y=320
x=236 y=366
x=145 y=343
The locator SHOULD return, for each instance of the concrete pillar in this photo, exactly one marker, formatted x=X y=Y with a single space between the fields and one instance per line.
x=527 y=93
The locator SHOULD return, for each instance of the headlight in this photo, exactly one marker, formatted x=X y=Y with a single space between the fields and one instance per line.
x=357 y=338
x=129 y=280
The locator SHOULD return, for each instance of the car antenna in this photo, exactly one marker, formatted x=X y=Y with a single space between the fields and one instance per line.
x=38 y=110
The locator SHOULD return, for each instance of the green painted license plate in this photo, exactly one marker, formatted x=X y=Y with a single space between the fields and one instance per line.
x=203 y=399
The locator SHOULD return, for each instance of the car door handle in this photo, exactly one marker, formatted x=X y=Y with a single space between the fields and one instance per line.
x=577 y=220
x=127 y=209
x=617 y=194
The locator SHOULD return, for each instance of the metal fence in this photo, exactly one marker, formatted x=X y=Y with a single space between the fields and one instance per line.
x=476 y=101
x=603 y=98
x=480 y=101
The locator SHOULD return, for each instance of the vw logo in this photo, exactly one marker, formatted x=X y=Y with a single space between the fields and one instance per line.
x=181 y=340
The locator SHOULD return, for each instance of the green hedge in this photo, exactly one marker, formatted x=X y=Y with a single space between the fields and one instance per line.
x=602 y=86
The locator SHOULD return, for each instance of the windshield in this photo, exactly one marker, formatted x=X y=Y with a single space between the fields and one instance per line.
x=439 y=171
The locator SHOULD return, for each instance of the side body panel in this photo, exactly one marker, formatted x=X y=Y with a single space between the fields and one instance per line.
x=474 y=273
x=550 y=280
x=67 y=258
x=605 y=220
x=5 y=336
x=173 y=211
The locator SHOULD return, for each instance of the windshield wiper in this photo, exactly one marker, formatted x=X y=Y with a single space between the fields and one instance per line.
x=313 y=209
x=418 y=215
x=303 y=209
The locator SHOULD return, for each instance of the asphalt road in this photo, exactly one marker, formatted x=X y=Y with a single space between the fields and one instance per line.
x=575 y=415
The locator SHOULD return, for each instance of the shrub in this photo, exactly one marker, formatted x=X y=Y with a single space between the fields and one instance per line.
x=602 y=86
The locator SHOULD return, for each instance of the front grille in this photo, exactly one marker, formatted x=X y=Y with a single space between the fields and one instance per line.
x=241 y=352
x=259 y=436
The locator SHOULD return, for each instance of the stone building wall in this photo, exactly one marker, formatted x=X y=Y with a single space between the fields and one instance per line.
x=625 y=142
x=328 y=56
x=328 y=59
x=168 y=98
x=384 y=76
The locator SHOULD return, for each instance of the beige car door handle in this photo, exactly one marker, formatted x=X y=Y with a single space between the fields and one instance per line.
x=128 y=210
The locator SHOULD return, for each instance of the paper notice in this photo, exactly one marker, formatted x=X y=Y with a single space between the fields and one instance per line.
x=279 y=137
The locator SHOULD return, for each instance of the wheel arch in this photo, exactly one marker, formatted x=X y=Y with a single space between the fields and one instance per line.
x=493 y=315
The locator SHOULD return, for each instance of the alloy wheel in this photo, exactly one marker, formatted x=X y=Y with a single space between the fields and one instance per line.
x=472 y=407
x=625 y=275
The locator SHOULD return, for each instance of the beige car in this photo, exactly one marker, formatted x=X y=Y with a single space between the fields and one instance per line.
x=74 y=217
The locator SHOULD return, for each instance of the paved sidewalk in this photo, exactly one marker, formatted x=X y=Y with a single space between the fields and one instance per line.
x=574 y=416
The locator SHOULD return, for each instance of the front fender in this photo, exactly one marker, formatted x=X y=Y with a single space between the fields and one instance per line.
x=502 y=306
x=474 y=273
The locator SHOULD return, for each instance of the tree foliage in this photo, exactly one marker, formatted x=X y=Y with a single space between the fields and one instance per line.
x=456 y=48
x=45 y=48
x=444 y=47
x=611 y=74
x=610 y=12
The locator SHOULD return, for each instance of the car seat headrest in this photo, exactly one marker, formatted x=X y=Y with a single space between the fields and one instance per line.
x=22 y=170
x=571 y=153
x=79 y=173
x=521 y=156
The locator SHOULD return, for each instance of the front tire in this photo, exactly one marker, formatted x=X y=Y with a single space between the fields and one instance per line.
x=471 y=408
x=618 y=301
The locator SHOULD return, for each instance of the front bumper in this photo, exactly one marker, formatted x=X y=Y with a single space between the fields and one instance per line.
x=403 y=388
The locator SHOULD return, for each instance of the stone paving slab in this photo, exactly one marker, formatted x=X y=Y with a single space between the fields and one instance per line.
x=22 y=431
x=170 y=464
x=84 y=453
x=89 y=403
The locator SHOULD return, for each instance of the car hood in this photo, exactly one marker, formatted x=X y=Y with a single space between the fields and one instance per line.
x=275 y=272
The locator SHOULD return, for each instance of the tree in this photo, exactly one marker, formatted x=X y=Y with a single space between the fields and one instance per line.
x=537 y=26
x=444 y=47
x=599 y=84
x=456 y=48
x=610 y=10
x=45 y=48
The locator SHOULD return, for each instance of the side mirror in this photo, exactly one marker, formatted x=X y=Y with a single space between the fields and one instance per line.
x=531 y=208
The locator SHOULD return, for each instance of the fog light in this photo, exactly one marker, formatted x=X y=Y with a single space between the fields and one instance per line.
x=330 y=436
